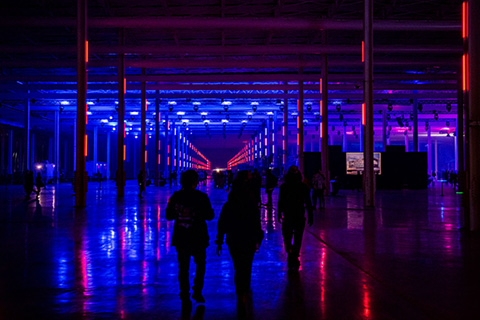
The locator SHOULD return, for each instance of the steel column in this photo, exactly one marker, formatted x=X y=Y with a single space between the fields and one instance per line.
x=27 y=134
x=32 y=149
x=285 y=133
x=80 y=173
x=300 y=136
x=143 y=138
x=10 y=152
x=473 y=124
x=56 y=152
x=95 y=149
x=121 y=149
x=368 y=174
x=415 y=124
x=324 y=124
x=436 y=158
x=157 y=144
x=108 y=155
x=429 y=150
x=460 y=132
x=384 y=131
x=344 y=138
x=406 y=140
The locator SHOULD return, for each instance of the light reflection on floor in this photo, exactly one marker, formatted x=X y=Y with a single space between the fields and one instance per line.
x=404 y=260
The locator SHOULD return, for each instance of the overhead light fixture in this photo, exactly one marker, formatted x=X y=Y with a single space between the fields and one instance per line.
x=134 y=113
x=449 y=106
x=180 y=113
x=64 y=103
x=338 y=107
x=390 y=107
x=90 y=103
x=309 y=107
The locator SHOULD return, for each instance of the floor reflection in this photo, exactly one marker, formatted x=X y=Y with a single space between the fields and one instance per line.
x=113 y=259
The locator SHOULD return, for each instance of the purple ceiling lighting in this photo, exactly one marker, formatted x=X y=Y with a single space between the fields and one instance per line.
x=252 y=55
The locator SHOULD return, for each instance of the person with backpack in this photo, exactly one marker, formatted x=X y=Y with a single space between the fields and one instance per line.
x=318 y=192
x=293 y=199
x=190 y=208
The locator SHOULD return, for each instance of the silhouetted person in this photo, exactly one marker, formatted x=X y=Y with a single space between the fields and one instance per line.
x=190 y=208
x=293 y=198
x=28 y=183
x=318 y=190
x=270 y=184
x=240 y=222
x=39 y=184
x=142 y=181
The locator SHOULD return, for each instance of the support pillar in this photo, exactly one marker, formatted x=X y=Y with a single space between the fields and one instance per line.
x=460 y=132
x=2 y=153
x=415 y=123
x=32 y=149
x=344 y=139
x=384 y=131
x=157 y=145
x=455 y=148
x=436 y=158
x=473 y=124
x=429 y=150
x=82 y=58
x=121 y=149
x=324 y=126
x=27 y=135
x=143 y=137
x=10 y=152
x=285 y=133
x=368 y=174
x=65 y=156
x=167 y=149
x=108 y=156
x=74 y=146
x=95 y=149
x=176 y=136
x=406 y=140
x=300 y=126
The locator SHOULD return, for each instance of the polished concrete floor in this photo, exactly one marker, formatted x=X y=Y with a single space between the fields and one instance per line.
x=405 y=259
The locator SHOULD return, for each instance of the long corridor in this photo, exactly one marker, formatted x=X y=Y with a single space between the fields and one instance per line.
x=406 y=259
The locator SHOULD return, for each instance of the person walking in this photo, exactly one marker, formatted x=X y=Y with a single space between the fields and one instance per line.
x=240 y=221
x=190 y=208
x=293 y=198
x=39 y=183
x=270 y=184
x=318 y=191
x=28 y=183
x=142 y=181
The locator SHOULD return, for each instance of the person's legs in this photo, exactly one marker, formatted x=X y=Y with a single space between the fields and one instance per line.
x=297 y=242
x=242 y=262
x=321 y=198
x=287 y=232
x=183 y=257
x=200 y=258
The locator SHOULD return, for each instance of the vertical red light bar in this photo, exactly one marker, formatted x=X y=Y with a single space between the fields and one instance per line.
x=125 y=85
x=86 y=51
x=124 y=152
x=298 y=123
x=86 y=114
x=86 y=145
x=363 y=113
x=145 y=156
x=363 y=51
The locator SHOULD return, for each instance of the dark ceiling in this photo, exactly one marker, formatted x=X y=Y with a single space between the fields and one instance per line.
x=243 y=52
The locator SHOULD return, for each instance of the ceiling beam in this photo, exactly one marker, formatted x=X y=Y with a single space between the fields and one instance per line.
x=197 y=23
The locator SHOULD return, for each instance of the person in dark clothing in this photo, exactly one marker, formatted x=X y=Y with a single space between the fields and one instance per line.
x=240 y=221
x=270 y=184
x=39 y=183
x=293 y=198
x=28 y=183
x=318 y=192
x=190 y=208
x=142 y=180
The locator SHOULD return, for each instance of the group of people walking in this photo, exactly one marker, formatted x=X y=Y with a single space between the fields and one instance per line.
x=239 y=225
